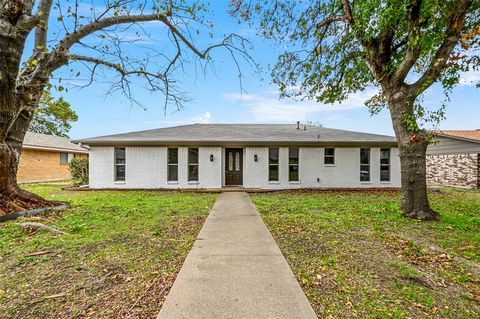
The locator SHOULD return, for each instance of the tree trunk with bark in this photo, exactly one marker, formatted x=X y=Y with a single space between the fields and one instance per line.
x=412 y=144
x=17 y=105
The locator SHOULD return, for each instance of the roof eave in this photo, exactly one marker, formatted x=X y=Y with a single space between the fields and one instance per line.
x=55 y=149
x=461 y=138
x=242 y=143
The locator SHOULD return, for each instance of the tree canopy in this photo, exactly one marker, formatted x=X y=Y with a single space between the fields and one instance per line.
x=336 y=48
x=53 y=117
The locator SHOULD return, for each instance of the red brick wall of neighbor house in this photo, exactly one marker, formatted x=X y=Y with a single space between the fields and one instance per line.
x=39 y=166
x=454 y=170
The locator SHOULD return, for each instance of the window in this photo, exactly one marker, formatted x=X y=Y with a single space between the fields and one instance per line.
x=63 y=158
x=385 y=165
x=293 y=163
x=364 y=164
x=193 y=164
x=273 y=164
x=329 y=156
x=172 y=163
x=120 y=161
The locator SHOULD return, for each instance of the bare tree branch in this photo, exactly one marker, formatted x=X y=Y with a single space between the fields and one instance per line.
x=88 y=29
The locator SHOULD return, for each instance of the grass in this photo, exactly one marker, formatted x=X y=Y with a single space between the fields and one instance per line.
x=120 y=257
x=356 y=256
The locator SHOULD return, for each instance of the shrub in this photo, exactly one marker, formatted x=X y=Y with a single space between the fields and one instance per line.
x=79 y=171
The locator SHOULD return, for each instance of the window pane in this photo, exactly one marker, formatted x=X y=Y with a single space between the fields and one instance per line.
x=384 y=174
x=120 y=155
x=273 y=155
x=293 y=173
x=364 y=156
x=193 y=155
x=237 y=161
x=273 y=173
x=293 y=155
x=364 y=173
x=193 y=172
x=330 y=151
x=329 y=160
x=120 y=172
x=173 y=173
x=63 y=158
x=173 y=156
x=230 y=161
x=385 y=153
x=385 y=156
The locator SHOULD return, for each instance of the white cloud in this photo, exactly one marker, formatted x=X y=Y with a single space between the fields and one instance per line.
x=470 y=78
x=202 y=118
x=269 y=108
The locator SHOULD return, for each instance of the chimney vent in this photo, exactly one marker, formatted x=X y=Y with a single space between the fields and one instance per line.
x=298 y=125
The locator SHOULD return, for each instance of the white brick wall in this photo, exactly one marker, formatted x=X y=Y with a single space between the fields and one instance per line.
x=345 y=172
x=147 y=168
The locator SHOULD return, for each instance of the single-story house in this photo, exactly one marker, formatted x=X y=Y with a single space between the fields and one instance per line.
x=257 y=156
x=454 y=159
x=46 y=158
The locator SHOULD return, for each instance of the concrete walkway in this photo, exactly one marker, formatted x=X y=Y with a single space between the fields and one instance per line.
x=235 y=270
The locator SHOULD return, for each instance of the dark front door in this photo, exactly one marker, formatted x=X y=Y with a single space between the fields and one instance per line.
x=233 y=166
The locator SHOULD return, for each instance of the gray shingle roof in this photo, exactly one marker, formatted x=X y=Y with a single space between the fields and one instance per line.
x=242 y=134
x=43 y=141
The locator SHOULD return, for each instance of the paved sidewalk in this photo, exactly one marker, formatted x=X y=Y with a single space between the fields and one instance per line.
x=235 y=270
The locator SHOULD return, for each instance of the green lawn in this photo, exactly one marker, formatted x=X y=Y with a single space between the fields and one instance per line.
x=355 y=256
x=119 y=259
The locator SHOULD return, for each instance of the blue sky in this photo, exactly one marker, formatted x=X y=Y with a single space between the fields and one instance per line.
x=216 y=95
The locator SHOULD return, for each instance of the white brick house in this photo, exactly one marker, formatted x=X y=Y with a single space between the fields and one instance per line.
x=262 y=156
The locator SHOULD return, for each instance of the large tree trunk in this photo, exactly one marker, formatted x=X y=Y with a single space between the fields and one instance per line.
x=414 y=182
x=412 y=145
x=17 y=105
x=12 y=197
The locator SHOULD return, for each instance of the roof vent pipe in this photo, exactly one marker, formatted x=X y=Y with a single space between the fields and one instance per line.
x=298 y=125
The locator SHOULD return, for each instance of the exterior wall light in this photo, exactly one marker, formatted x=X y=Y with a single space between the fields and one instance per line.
x=211 y=157
x=255 y=158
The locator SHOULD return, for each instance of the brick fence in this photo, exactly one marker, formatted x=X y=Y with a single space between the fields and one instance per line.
x=454 y=170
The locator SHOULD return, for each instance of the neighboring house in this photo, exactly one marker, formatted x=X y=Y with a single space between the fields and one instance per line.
x=454 y=159
x=259 y=156
x=46 y=158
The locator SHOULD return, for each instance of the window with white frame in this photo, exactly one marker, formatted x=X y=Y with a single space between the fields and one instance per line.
x=364 y=164
x=329 y=156
x=385 y=165
x=172 y=163
x=120 y=163
x=273 y=162
x=293 y=164
x=193 y=164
